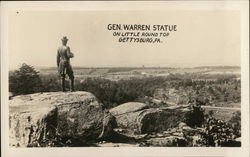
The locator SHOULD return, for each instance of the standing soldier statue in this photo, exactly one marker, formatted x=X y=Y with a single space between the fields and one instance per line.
x=63 y=63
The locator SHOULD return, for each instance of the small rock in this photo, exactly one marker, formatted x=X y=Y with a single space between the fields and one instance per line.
x=182 y=124
x=187 y=128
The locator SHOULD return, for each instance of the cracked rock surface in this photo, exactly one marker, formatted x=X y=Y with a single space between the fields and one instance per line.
x=57 y=119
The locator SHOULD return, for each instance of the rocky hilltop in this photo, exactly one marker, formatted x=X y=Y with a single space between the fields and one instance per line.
x=74 y=119
x=78 y=119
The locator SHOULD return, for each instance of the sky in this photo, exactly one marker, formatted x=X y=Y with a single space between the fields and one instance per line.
x=203 y=38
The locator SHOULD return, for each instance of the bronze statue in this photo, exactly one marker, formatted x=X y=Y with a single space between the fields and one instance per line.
x=63 y=63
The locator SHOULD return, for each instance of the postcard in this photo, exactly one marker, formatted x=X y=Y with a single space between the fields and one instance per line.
x=127 y=78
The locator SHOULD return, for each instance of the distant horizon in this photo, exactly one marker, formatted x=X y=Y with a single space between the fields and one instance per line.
x=100 y=67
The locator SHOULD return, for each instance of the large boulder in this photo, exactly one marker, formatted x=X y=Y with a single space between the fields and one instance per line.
x=126 y=115
x=57 y=119
x=127 y=108
x=146 y=120
x=160 y=119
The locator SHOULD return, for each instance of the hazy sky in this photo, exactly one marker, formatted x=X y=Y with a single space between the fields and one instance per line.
x=202 y=38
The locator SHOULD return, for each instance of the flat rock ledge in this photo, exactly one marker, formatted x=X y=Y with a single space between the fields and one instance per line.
x=143 y=120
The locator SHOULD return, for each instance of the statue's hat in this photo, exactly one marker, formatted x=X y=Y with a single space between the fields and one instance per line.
x=65 y=38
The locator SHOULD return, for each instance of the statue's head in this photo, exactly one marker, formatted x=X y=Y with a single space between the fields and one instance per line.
x=64 y=40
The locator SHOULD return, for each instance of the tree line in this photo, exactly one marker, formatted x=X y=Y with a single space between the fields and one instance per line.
x=27 y=80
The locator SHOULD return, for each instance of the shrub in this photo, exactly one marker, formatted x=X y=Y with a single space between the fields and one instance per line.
x=235 y=121
x=51 y=83
x=25 y=80
x=112 y=93
x=196 y=117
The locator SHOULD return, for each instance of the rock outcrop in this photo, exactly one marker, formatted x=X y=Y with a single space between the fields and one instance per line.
x=57 y=119
x=126 y=115
x=160 y=119
x=145 y=120
x=127 y=108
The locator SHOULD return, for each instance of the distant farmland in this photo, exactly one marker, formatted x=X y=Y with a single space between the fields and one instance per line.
x=117 y=73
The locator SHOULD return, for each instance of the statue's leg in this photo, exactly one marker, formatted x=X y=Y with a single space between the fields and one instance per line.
x=63 y=83
x=72 y=88
x=71 y=76
x=61 y=70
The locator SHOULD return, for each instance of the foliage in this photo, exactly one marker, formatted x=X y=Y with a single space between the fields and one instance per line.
x=236 y=121
x=200 y=92
x=197 y=88
x=196 y=117
x=25 y=80
x=220 y=133
x=113 y=93
x=50 y=83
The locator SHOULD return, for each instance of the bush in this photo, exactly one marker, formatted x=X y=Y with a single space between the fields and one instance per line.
x=51 y=83
x=235 y=121
x=196 y=117
x=113 y=93
x=25 y=80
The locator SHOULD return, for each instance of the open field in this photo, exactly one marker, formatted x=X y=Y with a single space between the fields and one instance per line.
x=223 y=113
x=117 y=73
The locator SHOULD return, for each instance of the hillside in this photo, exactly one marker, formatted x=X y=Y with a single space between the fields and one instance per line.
x=66 y=119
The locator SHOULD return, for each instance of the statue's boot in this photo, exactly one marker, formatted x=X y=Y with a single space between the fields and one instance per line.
x=72 y=88
x=63 y=85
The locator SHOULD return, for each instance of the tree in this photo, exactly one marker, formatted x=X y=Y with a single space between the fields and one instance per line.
x=195 y=117
x=25 y=80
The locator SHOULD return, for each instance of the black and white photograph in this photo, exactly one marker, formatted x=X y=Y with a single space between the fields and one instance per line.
x=145 y=76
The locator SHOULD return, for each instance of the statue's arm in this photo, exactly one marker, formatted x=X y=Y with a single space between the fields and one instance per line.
x=69 y=53
x=58 y=58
